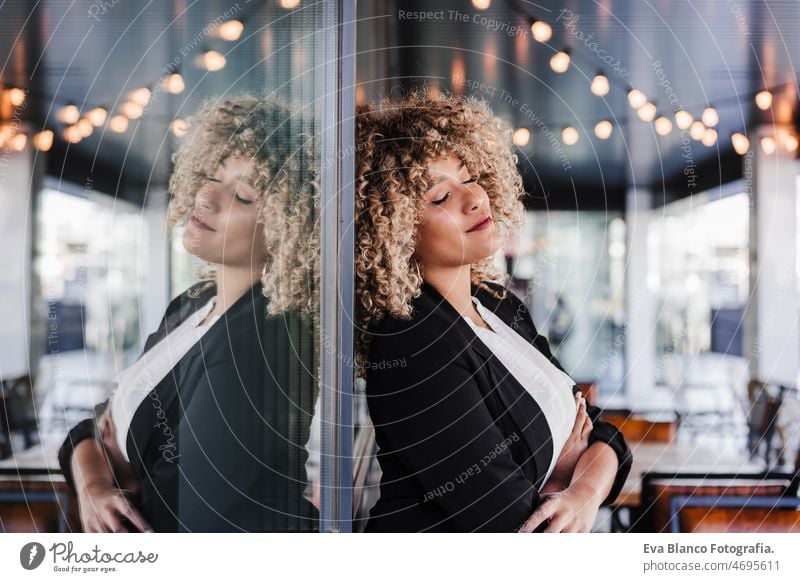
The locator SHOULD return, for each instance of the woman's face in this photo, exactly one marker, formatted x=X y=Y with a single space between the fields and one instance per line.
x=457 y=227
x=224 y=227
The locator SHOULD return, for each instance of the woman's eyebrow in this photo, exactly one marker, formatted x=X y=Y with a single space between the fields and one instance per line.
x=441 y=179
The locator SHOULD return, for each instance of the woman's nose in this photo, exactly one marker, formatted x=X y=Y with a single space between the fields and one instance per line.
x=472 y=199
x=205 y=198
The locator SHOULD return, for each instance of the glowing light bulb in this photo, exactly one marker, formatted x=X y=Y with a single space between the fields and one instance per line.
x=764 y=100
x=740 y=143
x=289 y=4
x=570 y=135
x=603 y=129
x=85 y=127
x=663 y=125
x=140 y=96
x=600 y=85
x=647 y=112
x=118 y=123
x=559 y=62
x=230 y=30
x=768 y=145
x=710 y=117
x=697 y=130
x=709 y=137
x=16 y=96
x=43 y=140
x=69 y=114
x=179 y=127
x=683 y=119
x=97 y=116
x=132 y=110
x=636 y=98
x=72 y=134
x=541 y=31
x=173 y=84
x=521 y=137
x=481 y=4
x=212 y=61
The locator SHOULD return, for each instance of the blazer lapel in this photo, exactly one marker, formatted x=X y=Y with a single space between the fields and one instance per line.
x=502 y=390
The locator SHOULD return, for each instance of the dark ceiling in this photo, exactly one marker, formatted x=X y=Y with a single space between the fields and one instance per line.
x=711 y=52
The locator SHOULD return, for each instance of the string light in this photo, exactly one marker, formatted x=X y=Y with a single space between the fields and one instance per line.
x=663 y=125
x=697 y=130
x=230 y=30
x=603 y=129
x=69 y=114
x=97 y=116
x=636 y=98
x=179 y=127
x=740 y=143
x=85 y=127
x=118 y=123
x=790 y=141
x=140 y=96
x=683 y=119
x=709 y=137
x=72 y=134
x=212 y=61
x=559 y=62
x=16 y=96
x=289 y=4
x=647 y=112
x=710 y=117
x=541 y=31
x=43 y=140
x=600 y=85
x=521 y=137
x=768 y=145
x=18 y=142
x=479 y=4
x=764 y=100
x=173 y=83
x=570 y=135
x=131 y=110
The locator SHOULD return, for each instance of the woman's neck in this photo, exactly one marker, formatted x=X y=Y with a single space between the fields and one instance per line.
x=232 y=283
x=454 y=285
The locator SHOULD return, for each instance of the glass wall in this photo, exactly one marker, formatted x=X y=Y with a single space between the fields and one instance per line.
x=570 y=269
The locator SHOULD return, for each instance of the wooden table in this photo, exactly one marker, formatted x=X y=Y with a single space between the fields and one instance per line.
x=680 y=456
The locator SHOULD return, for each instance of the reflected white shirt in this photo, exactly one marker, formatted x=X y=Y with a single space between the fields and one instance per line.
x=550 y=387
x=138 y=380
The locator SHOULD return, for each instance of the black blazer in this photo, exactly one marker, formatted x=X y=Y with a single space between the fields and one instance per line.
x=462 y=445
x=219 y=443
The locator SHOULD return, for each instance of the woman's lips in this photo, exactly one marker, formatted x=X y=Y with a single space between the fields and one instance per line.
x=482 y=225
x=200 y=224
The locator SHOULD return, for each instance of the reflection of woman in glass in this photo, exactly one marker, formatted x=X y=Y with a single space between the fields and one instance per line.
x=478 y=426
x=206 y=430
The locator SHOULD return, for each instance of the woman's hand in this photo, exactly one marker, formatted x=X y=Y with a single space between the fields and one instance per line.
x=576 y=445
x=102 y=510
x=573 y=510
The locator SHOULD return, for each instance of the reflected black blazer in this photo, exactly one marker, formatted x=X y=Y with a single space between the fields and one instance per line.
x=219 y=444
x=462 y=445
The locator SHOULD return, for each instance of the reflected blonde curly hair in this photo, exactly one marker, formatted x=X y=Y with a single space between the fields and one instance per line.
x=395 y=141
x=279 y=140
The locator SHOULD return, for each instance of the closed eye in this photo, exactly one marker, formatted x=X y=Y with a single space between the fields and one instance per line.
x=441 y=200
x=244 y=201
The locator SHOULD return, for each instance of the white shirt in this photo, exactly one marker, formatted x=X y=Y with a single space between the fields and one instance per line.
x=138 y=380
x=550 y=387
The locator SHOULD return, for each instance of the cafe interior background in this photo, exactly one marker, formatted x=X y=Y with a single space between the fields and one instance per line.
x=658 y=146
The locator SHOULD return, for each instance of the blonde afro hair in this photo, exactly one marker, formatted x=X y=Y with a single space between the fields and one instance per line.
x=279 y=140
x=395 y=143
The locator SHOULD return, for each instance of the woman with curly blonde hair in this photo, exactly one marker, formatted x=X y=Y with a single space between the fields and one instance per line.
x=479 y=428
x=206 y=430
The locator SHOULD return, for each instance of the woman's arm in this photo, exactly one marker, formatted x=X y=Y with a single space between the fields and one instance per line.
x=102 y=505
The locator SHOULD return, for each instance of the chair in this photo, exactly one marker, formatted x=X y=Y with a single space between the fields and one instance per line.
x=734 y=514
x=16 y=413
x=640 y=428
x=665 y=494
x=36 y=501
